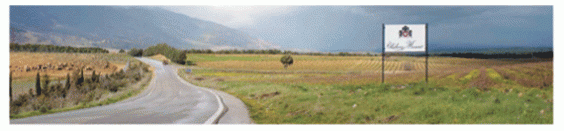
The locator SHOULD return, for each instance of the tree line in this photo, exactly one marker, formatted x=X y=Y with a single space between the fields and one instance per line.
x=274 y=51
x=15 y=47
x=178 y=56
x=484 y=55
x=175 y=55
x=543 y=54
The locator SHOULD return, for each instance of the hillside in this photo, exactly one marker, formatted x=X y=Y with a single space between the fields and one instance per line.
x=122 y=28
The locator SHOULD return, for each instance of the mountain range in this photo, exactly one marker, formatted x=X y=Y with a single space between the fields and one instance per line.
x=122 y=27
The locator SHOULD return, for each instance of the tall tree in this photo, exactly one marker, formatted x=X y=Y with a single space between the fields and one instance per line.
x=46 y=82
x=94 y=77
x=181 y=59
x=81 y=77
x=67 y=83
x=37 y=85
x=10 y=86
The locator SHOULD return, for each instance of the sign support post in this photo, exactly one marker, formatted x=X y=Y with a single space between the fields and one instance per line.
x=426 y=54
x=405 y=38
x=383 y=50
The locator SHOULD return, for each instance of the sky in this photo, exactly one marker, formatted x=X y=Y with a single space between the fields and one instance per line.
x=359 y=28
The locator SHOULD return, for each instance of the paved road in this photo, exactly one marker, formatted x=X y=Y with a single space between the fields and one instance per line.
x=166 y=100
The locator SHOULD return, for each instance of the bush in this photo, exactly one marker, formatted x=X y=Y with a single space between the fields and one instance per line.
x=43 y=109
x=175 y=55
x=287 y=60
x=181 y=57
x=22 y=100
x=136 y=52
x=190 y=63
x=165 y=62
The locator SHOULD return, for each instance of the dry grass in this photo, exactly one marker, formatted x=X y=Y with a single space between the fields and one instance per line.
x=23 y=81
x=365 y=64
x=18 y=61
x=159 y=57
x=334 y=65
x=329 y=70
x=535 y=75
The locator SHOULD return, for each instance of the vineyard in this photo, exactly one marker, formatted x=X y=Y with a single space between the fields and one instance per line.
x=336 y=63
x=365 y=69
x=348 y=89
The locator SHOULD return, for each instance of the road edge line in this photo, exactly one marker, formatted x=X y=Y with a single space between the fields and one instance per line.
x=214 y=119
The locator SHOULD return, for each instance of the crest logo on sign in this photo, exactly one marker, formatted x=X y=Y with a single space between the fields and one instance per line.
x=405 y=32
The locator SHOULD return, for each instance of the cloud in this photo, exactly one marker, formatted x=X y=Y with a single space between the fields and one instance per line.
x=358 y=27
x=475 y=25
x=231 y=16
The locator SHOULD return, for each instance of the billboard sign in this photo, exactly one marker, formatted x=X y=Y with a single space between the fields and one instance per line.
x=405 y=37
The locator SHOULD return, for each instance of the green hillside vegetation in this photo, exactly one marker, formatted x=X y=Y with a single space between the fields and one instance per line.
x=175 y=55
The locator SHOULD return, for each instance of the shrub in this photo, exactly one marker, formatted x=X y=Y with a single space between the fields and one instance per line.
x=22 y=100
x=135 y=52
x=175 y=55
x=46 y=82
x=191 y=63
x=116 y=85
x=165 y=62
x=287 y=61
x=181 y=57
x=43 y=109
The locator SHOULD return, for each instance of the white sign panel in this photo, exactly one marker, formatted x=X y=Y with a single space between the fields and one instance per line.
x=405 y=38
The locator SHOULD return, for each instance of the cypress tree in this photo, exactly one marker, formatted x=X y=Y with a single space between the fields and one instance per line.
x=46 y=82
x=94 y=77
x=10 y=86
x=81 y=77
x=67 y=84
x=37 y=85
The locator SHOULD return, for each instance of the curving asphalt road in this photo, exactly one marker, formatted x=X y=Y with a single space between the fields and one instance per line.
x=166 y=100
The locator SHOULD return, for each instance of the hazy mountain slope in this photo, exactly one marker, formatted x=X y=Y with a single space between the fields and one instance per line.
x=122 y=27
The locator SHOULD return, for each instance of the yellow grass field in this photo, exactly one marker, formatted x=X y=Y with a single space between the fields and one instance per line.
x=364 y=69
x=335 y=63
x=97 y=62
x=25 y=80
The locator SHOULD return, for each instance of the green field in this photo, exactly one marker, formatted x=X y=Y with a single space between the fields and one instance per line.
x=335 y=89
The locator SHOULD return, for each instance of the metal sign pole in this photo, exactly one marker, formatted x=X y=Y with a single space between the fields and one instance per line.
x=426 y=54
x=383 y=52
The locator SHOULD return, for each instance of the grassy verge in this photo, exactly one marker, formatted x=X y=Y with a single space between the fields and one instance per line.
x=134 y=90
x=373 y=103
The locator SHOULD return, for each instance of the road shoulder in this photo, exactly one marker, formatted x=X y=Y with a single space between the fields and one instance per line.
x=237 y=112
